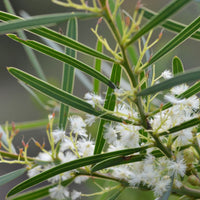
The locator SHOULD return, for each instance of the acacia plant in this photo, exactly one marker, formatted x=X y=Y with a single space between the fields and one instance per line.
x=147 y=134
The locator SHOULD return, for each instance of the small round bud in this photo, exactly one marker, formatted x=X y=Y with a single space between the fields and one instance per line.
x=193 y=180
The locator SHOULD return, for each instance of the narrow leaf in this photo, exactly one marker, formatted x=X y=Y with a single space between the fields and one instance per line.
x=30 y=54
x=60 y=95
x=167 y=84
x=49 y=19
x=169 y=24
x=64 y=58
x=57 y=37
x=41 y=192
x=184 y=125
x=176 y=41
x=156 y=20
x=116 y=194
x=98 y=67
x=11 y=176
x=109 y=105
x=177 y=66
x=120 y=160
x=68 y=73
x=69 y=166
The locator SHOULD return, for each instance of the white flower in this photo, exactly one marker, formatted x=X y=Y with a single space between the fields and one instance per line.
x=93 y=99
x=58 y=135
x=90 y=119
x=110 y=133
x=66 y=145
x=177 y=167
x=34 y=171
x=44 y=156
x=166 y=74
x=85 y=147
x=78 y=125
x=179 y=89
x=80 y=179
x=75 y=195
x=59 y=192
x=129 y=135
x=161 y=186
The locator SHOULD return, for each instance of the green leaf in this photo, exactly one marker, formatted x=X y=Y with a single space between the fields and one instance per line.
x=59 y=38
x=169 y=24
x=30 y=54
x=109 y=105
x=41 y=192
x=49 y=19
x=70 y=166
x=167 y=84
x=177 y=66
x=31 y=124
x=98 y=67
x=184 y=125
x=176 y=41
x=68 y=73
x=116 y=194
x=60 y=95
x=121 y=160
x=156 y=20
x=11 y=176
x=194 y=89
x=64 y=58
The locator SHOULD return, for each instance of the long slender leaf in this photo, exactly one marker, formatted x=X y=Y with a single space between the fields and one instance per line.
x=32 y=57
x=68 y=73
x=109 y=105
x=70 y=166
x=41 y=192
x=11 y=176
x=176 y=41
x=60 y=95
x=120 y=160
x=116 y=194
x=59 y=38
x=30 y=125
x=169 y=24
x=49 y=19
x=156 y=20
x=177 y=66
x=64 y=58
x=184 y=125
x=183 y=78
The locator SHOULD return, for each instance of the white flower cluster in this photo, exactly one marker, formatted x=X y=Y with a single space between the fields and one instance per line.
x=75 y=145
x=155 y=173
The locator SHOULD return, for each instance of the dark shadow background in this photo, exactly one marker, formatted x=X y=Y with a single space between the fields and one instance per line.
x=15 y=102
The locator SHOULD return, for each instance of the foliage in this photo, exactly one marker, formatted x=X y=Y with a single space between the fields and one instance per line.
x=139 y=143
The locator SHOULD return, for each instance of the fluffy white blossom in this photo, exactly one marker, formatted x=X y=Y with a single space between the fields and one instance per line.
x=78 y=125
x=58 y=135
x=59 y=192
x=110 y=133
x=166 y=74
x=93 y=99
x=75 y=194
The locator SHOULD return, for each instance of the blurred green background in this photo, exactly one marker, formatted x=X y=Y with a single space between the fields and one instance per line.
x=17 y=105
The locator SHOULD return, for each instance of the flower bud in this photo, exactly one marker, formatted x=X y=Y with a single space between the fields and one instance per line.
x=193 y=180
